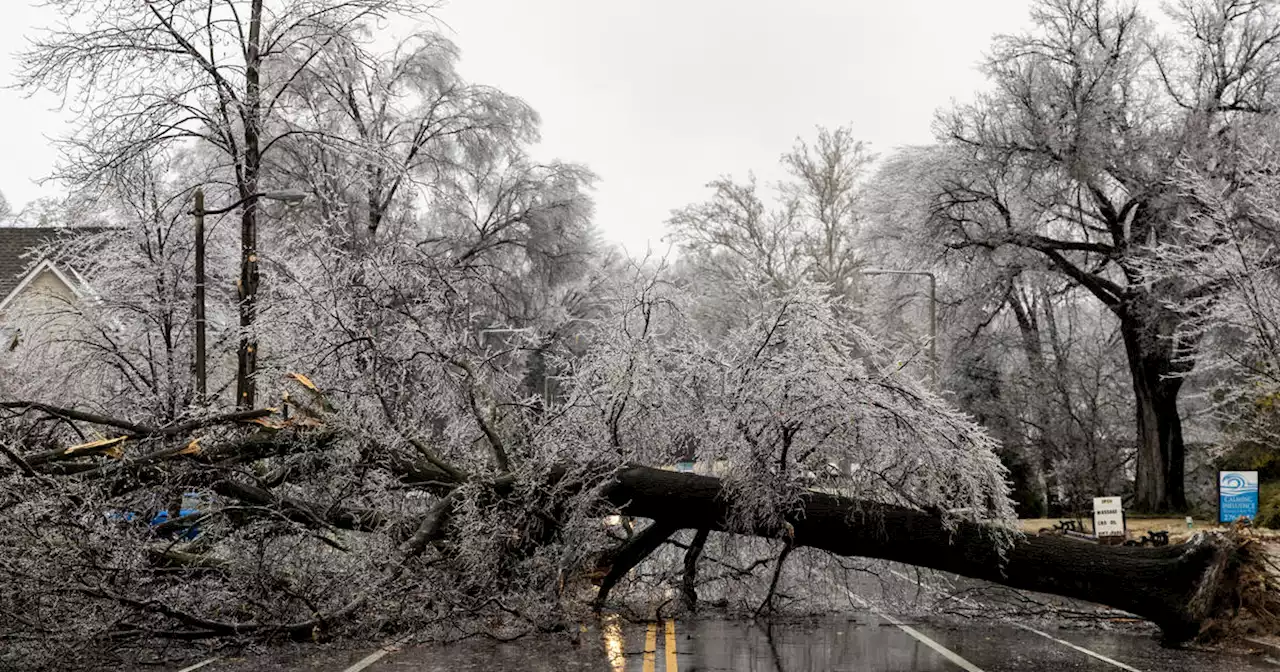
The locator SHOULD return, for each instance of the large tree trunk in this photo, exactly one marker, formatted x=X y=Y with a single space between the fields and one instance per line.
x=1179 y=588
x=1159 y=484
x=1042 y=397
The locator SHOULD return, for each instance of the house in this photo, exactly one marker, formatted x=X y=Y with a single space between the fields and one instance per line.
x=28 y=282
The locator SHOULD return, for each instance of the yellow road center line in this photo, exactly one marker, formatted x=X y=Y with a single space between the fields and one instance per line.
x=670 y=646
x=651 y=648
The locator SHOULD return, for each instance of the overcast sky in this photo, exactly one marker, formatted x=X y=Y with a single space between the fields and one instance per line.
x=660 y=97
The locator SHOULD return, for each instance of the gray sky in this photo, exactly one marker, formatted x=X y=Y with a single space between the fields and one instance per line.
x=660 y=97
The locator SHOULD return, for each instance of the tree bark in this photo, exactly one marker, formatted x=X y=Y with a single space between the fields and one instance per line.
x=250 y=167
x=637 y=549
x=1179 y=588
x=689 y=581
x=1034 y=447
x=766 y=607
x=1159 y=485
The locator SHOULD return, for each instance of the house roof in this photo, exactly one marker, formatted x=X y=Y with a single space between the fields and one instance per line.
x=17 y=241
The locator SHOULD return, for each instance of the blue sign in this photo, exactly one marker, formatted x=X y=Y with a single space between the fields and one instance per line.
x=1237 y=495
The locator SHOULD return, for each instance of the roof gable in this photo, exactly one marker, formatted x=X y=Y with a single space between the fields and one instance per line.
x=45 y=266
x=15 y=244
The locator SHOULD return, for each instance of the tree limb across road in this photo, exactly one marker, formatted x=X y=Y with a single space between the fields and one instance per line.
x=1183 y=589
x=1197 y=588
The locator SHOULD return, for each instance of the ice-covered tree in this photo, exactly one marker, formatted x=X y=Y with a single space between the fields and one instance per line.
x=150 y=76
x=1029 y=354
x=1090 y=111
x=805 y=230
x=1230 y=245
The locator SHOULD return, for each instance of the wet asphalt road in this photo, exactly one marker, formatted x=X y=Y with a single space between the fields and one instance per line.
x=938 y=638
x=862 y=643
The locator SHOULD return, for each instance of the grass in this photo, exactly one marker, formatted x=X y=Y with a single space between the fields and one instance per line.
x=1176 y=527
x=1136 y=526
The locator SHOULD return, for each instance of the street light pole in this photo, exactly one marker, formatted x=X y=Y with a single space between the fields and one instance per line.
x=933 y=313
x=291 y=197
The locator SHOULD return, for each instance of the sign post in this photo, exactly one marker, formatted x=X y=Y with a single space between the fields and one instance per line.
x=1108 y=520
x=1237 y=495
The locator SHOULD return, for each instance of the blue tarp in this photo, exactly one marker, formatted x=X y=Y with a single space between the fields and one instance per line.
x=190 y=502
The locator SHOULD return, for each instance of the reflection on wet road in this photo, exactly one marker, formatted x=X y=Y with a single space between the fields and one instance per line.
x=850 y=645
x=875 y=636
x=865 y=643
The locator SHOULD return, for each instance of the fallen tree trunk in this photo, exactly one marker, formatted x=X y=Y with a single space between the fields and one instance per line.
x=1183 y=589
x=1180 y=588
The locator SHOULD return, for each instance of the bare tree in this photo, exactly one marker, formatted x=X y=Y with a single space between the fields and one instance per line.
x=127 y=334
x=1090 y=113
x=397 y=146
x=809 y=233
x=387 y=130
x=1232 y=225
x=1030 y=357
x=151 y=74
x=457 y=502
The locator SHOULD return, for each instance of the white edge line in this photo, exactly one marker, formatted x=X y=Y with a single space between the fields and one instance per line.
x=1261 y=642
x=199 y=665
x=373 y=657
x=1081 y=649
x=1267 y=644
x=1095 y=654
x=942 y=650
x=952 y=596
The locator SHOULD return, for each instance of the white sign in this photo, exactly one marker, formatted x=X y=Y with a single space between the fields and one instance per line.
x=1108 y=517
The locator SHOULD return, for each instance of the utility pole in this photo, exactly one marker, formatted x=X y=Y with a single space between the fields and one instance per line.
x=933 y=314
x=290 y=197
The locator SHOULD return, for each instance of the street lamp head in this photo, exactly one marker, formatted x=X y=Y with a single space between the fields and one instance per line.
x=288 y=196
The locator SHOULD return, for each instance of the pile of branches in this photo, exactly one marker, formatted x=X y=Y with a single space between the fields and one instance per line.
x=303 y=532
x=265 y=524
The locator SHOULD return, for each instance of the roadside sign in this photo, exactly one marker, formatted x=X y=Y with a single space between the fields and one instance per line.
x=1108 y=517
x=1237 y=495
